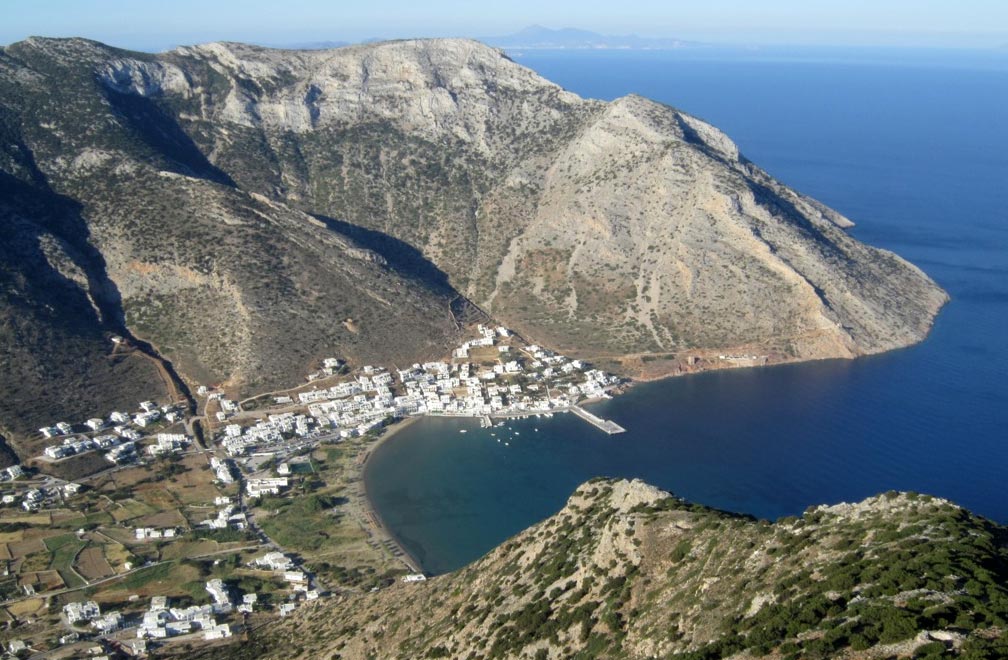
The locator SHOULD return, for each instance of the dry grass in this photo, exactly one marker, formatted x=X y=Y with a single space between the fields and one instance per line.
x=195 y=492
x=129 y=509
x=158 y=498
x=171 y=518
x=67 y=518
x=26 y=547
x=91 y=563
x=11 y=537
x=123 y=536
x=163 y=579
x=117 y=555
x=26 y=608
x=42 y=519
x=183 y=549
x=129 y=477
x=48 y=579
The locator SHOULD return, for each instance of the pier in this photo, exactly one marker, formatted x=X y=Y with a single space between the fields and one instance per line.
x=606 y=425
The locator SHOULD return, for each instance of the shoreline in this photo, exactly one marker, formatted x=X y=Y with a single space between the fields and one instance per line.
x=381 y=526
x=630 y=382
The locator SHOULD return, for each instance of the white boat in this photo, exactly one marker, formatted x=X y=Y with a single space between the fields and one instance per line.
x=462 y=430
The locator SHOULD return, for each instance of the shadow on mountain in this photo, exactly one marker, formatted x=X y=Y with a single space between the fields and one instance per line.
x=57 y=312
x=163 y=135
x=400 y=255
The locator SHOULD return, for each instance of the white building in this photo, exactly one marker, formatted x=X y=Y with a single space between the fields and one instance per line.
x=276 y=561
x=108 y=623
x=268 y=486
x=218 y=592
x=81 y=611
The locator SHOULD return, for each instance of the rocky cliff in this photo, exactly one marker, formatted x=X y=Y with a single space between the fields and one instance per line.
x=247 y=211
x=625 y=570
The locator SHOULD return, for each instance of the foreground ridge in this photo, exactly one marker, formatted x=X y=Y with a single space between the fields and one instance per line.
x=626 y=570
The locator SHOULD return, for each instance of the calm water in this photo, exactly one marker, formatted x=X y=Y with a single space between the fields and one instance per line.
x=915 y=150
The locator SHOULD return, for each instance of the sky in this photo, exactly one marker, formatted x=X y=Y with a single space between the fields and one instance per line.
x=162 y=24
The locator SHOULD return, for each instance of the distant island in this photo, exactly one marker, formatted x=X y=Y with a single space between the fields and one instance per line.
x=539 y=37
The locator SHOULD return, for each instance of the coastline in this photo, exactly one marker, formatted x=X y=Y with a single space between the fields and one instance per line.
x=382 y=529
x=380 y=526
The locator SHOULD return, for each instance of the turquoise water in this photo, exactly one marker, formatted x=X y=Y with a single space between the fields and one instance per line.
x=915 y=150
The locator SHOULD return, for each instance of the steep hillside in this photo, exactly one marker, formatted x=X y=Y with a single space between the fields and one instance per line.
x=627 y=571
x=606 y=229
x=247 y=211
x=117 y=224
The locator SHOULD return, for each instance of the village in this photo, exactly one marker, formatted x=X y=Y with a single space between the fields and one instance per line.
x=167 y=537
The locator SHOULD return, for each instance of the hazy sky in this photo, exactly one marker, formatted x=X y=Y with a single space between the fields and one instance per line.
x=159 y=24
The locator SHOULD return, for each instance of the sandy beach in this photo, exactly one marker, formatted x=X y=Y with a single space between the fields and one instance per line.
x=371 y=513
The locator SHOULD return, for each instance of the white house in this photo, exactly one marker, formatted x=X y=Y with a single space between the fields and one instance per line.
x=81 y=611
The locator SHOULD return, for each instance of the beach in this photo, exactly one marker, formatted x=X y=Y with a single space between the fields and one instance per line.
x=369 y=516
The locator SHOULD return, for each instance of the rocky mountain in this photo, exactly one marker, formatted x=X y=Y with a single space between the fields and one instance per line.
x=625 y=570
x=237 y=213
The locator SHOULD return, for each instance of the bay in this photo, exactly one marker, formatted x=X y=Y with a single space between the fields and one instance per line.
x=912 y=146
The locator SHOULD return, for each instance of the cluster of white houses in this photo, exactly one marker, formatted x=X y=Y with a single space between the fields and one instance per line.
x=35 y=498
x=493 y=374
x=238 y=440
x=149 y=413
x=117 y=435
x=283 y=566
x=153 y=533
x=161 y=621
x=168 y=443
x=222 y=470
x=228 y=516
x=522 y=380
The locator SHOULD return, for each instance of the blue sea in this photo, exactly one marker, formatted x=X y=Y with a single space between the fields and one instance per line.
x=912 y=146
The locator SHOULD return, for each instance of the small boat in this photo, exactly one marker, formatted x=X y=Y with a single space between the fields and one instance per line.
x=462 y=430
x=507 y=444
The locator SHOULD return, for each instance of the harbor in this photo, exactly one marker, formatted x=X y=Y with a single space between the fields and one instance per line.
x=605 y=425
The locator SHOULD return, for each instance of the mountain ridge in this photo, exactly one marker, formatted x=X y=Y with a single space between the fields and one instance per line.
x=627 y=570
x=226 y=187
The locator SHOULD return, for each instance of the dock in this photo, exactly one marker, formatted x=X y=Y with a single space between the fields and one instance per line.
x=606 y=425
